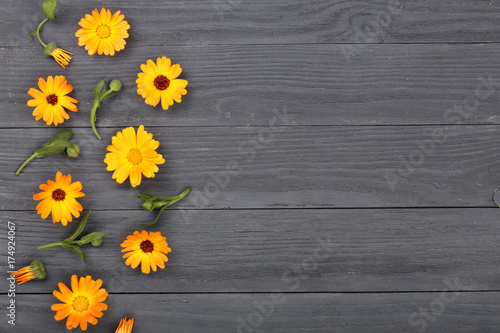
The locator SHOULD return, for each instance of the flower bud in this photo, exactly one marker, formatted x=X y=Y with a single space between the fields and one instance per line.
x=115 y=85
x=73 y=151
x=38 y=269
x=159 y=203
x=35 y=271
x=97 y=242
x=49 y=49
x=148 y=205
x=61 y=56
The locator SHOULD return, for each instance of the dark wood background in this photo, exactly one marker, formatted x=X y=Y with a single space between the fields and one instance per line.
x=342 y=156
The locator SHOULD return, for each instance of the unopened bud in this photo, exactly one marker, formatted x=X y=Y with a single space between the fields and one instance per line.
x=115 y=85
x=73 y=151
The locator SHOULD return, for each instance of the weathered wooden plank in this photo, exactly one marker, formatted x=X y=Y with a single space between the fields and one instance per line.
x=269 y=22
x=278 y=250
x=247 y=85
x=274 y=167
x=245 y=313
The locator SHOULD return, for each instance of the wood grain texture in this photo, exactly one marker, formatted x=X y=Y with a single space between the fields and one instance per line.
x=278 y=250
x=341 y=153
x=270 y=22
x=297 y=313
x=246 y=85
x=275 y=167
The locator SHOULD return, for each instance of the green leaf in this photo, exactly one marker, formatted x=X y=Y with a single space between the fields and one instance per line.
x=79 y=228
x=99 y=89
x=145 y=196
x=109 y=95
x=63 y=135
x=76 y=250
x=92 y=237
x=157 y=202
x=167 y=198
x=159 y=213
x=34 y=33
x=179 y=197
x=54 y=148
x=48 y=8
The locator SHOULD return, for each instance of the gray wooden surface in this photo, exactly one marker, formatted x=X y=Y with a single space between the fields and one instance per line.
x=342 y=155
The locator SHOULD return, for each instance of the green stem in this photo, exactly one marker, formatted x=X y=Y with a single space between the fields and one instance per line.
x=38 y=32
x=105 y=95
x=49 y=245
x=93 y=117
x=95 y=131
x=24 y=164
x=177 y=198
x=171 y=201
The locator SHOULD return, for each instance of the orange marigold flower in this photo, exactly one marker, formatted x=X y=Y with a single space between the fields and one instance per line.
x=82 y=304
x=133 y=155
x=50 y=102
x=103 y=32
x=125 y=325
x=149 y=250
x=59 y=198
x=159 y=82
x=35 y=271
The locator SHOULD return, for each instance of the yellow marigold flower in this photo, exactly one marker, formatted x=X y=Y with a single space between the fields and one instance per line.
x=147 y=249
x=83 y=304
x=159 y=81
x=59 y=198
x=35 y=271
x=125 y=325
x=50 y=102
x=133 y=155
x=103 y=32
x=61 y=56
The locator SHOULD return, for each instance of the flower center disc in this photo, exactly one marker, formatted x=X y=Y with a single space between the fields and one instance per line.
x=52 y=99
x=58 y=195
x=103 y=31
x=134 y=156
x=161 y=82
x=147 y=246
x=81 y=303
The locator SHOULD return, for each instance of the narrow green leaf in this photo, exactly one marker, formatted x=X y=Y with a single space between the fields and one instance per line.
x=167 y=198
x=64 y=135
x=145 y=196
x=99 y=87
x=34 y=33
x=78 y=252
x=108 y=95
x=178 y=197
x=79 y=228
x=159 y=213
x=48 y=8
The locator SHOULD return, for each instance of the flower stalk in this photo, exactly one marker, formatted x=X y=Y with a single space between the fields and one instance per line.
x=152 y=202
x=59 y=143
x=70 y=243
x=100 y=94
x=61 y=56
